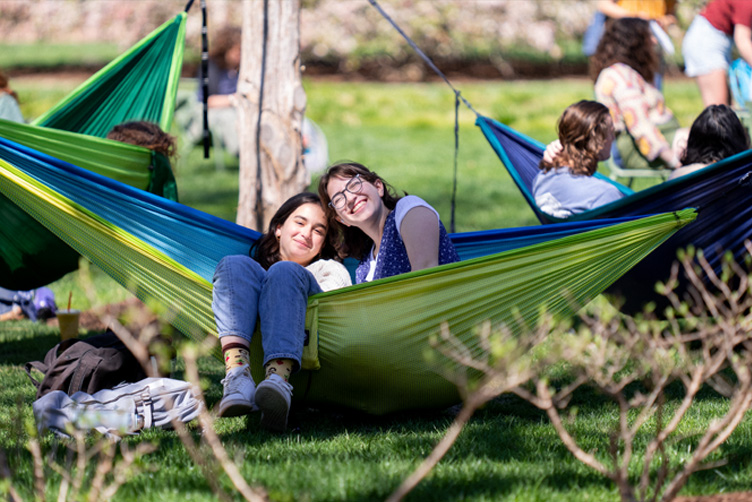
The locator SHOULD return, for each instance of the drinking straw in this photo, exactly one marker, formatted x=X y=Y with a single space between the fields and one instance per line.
x=70 y=295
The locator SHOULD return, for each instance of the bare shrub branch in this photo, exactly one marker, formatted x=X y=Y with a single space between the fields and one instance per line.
x=703 y=340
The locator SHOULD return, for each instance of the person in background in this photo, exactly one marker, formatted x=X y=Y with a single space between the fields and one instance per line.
x=707 y=46
x=36 y=305
x=660 y=11
x=565 y=185
x=9 y=109
x=623 y=67
x=149 y=135
x=145 y=134
x=293 y=260
x=717 y=133
x=222 y=72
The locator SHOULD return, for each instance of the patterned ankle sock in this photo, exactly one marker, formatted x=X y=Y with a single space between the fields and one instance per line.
x=235 y=354
x=282 y=367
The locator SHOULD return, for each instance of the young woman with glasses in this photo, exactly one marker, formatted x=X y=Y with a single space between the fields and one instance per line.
x=291 y=261
x=390 y=235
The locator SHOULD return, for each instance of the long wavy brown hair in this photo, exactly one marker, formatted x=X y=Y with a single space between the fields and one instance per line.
x=5 y=86
x=266 y=250
x=584 y=129
x=627 y=40
x=146 y=134
x=352 y=241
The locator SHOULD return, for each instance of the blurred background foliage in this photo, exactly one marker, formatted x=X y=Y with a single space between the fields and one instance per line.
x=489 y=38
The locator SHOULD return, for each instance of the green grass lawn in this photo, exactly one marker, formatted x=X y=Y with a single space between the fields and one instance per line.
x=508 y=452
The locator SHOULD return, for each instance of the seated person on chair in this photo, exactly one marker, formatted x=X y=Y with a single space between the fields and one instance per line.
x=717 y=133
x=222 y=72
x=565 y=185
x=623 y=67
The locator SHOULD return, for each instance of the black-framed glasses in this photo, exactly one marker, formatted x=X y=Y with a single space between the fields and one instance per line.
x=353 y=186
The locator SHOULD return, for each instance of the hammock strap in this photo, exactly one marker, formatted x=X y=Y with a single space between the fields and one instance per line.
x=457 y=98
x=744 y=181
x=456 y=151
x=422 y=55
x=259 y=190
x=204 y=77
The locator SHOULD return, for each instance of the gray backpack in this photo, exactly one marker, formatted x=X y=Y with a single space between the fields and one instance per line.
x=125 y=409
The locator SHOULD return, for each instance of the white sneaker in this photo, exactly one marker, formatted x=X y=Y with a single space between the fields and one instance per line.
x=238 y=397
x=273 y=399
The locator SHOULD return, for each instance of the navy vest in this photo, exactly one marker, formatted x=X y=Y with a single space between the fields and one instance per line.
x=392 y=258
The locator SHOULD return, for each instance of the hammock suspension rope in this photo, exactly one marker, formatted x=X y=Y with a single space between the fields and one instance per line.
x=457 y=98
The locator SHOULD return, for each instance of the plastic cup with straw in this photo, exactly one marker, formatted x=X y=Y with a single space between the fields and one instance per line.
x=68 y=320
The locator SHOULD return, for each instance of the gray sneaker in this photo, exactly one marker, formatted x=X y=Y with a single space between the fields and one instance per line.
x=238 y=398
x=273 y=399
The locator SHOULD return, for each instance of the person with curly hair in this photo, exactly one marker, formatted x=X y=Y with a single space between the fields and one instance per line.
x=145 y=134
x=9 y=109
x=565 y=185
x=623 y=68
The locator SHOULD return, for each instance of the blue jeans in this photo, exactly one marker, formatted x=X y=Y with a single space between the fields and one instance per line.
x=244 y=292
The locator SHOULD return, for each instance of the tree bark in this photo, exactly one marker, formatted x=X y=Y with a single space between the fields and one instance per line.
x=271 y=103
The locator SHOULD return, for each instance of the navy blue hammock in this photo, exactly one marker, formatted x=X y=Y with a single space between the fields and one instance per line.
x=720 y=192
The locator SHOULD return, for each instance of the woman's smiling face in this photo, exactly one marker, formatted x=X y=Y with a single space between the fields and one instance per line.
x=302 y=235
x=359 y=206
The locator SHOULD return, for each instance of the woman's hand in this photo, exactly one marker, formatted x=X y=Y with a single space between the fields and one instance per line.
x=552 y=151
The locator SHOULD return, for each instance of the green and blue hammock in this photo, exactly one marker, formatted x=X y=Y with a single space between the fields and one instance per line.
x=720 y=191
x=367 y=342
x=141 y=84
x=166 y=253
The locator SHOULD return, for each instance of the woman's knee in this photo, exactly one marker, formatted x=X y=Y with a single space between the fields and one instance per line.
x=285 y=270
x=238 y=266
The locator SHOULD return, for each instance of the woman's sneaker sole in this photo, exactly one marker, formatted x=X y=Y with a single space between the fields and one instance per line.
x=274 y=404
x=235 y=409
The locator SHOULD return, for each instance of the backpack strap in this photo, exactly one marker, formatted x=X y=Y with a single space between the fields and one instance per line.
x=85 y=368
x=148 y=408
x=39 y=366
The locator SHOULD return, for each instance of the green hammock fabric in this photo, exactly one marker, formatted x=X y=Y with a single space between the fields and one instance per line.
x=129 y=164
x=368 y=341
x=32 y=256
x=141 y=84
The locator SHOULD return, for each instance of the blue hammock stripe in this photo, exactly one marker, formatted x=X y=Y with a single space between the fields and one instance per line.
x=198 y=240
x=195 y=239
x=723 y=223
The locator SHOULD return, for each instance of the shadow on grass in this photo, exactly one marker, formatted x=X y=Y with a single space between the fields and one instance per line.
x=20 y=351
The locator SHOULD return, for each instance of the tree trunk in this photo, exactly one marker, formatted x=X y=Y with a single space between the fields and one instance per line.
x=271 y=103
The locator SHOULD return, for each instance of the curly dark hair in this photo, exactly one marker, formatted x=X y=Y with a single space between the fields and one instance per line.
x=266 y=250
x=224 y=40
x=352 y=241
x=717 y=133
x=627 y=40
x=146 y=134
x=583 y=128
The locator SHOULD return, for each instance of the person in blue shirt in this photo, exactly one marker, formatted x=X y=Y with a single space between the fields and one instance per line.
x=565 y=185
